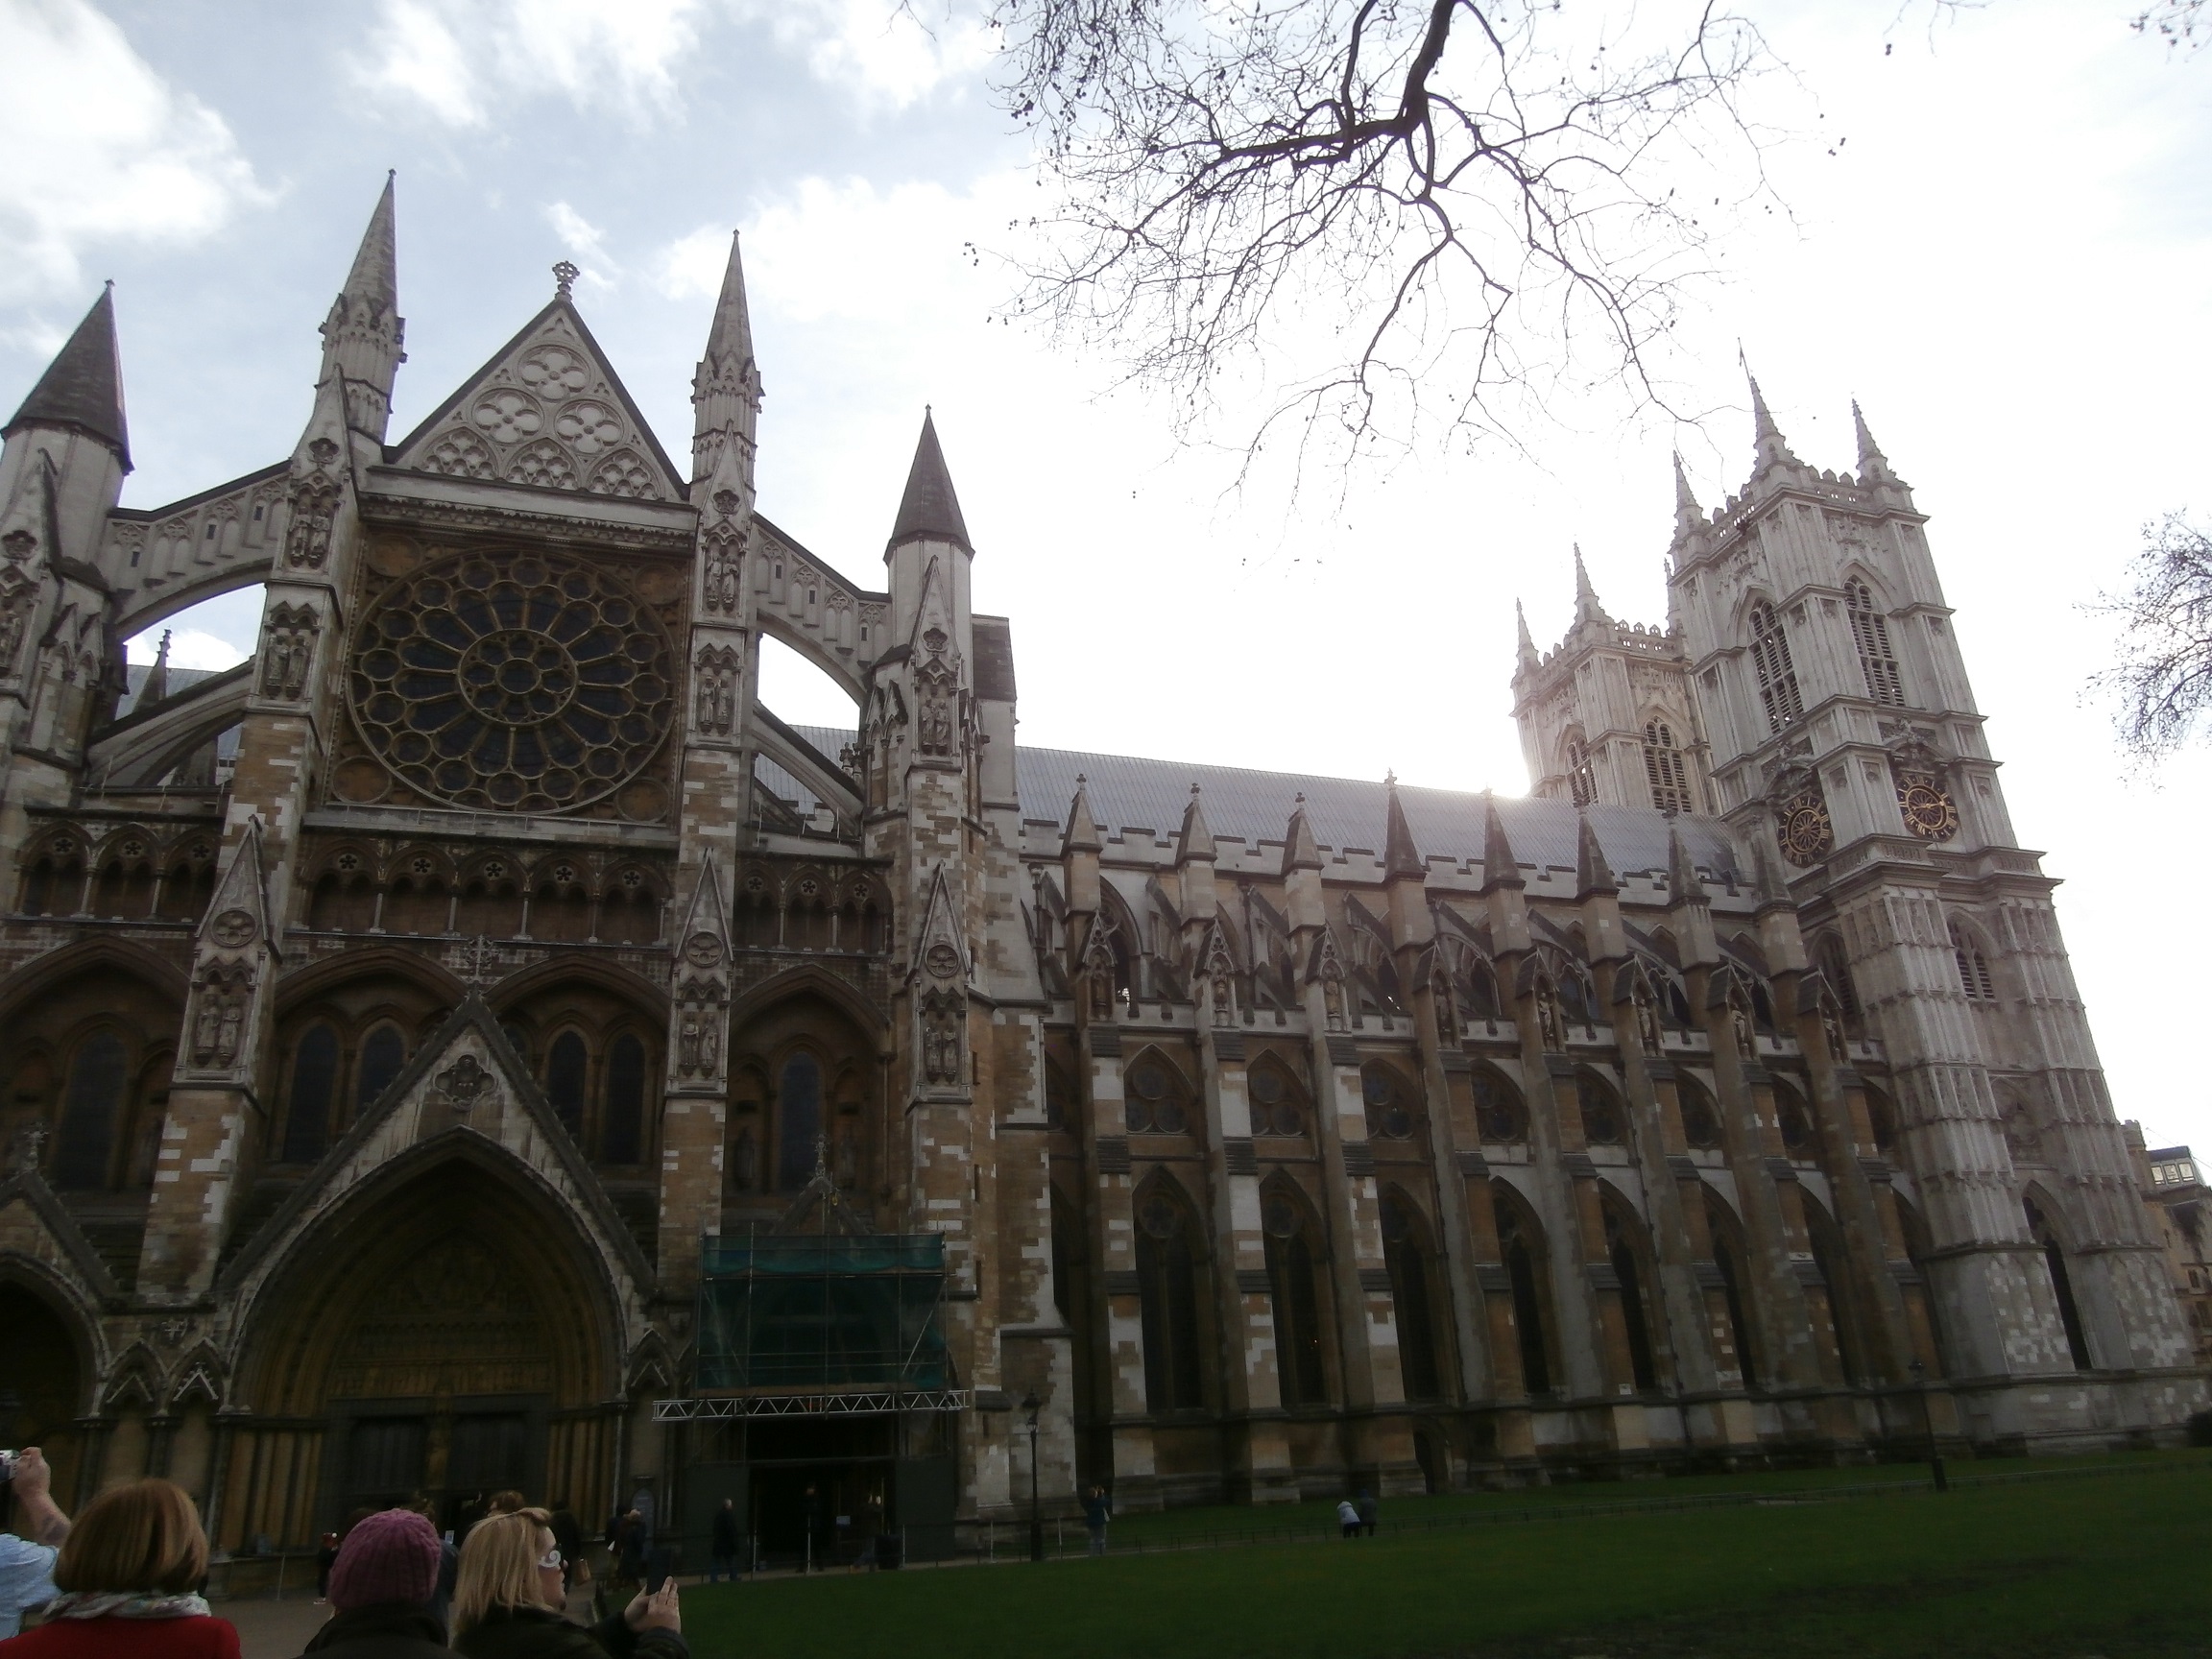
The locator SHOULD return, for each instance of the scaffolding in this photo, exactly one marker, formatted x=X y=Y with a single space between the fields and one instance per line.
x=817 y=1317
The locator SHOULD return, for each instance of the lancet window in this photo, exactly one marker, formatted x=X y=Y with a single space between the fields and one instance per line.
x=1665 y=770
x=1777 y=675
x=1870 y=633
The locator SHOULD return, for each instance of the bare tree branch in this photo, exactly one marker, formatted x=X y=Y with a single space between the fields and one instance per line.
x=2162 y=681
x=1483 y=201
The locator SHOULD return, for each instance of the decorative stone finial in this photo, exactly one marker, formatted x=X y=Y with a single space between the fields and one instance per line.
x=564 y=276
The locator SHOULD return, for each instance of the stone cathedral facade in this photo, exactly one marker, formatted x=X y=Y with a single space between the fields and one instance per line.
x=404 y=1027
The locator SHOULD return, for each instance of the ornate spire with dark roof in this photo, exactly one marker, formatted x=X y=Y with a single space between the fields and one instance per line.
x=1400 y=856
x=1872 y=463
x=1300 y=851
x=362 y=335
x=83 y=388
x=1591 y=873
x=929 y=510
x=1500 y=867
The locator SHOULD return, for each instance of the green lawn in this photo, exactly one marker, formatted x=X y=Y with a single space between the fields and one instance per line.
x=2112 y=1564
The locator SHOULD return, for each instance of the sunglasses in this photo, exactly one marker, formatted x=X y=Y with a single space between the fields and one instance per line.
x=552 y=1561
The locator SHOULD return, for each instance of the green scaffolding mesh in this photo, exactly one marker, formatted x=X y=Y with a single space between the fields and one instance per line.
x=809 y=1312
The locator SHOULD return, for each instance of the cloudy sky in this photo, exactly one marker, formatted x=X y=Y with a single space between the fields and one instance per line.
x=2007 y=260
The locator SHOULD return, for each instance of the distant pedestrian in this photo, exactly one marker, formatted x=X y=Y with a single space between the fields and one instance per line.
x=629 y=1549
x=722 y=1547
x=1347 y=1519
x=1369 y=1512
x=1098 y=1511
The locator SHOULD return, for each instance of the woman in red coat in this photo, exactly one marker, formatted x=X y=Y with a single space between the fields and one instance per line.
x=127 y=1574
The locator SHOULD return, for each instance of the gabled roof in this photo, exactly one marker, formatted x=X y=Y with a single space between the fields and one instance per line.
x=545 y=409
x=82 y=387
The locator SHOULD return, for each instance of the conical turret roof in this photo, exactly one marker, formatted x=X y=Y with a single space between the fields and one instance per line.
x=82 y=387
x=929 y=509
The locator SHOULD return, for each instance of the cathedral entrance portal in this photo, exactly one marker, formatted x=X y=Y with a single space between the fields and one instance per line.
x=448 y=1340
x=41 y=1383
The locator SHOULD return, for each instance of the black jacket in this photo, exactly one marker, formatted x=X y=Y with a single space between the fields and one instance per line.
x=541 y=1633
x=381 y=1633
x=725 y=1531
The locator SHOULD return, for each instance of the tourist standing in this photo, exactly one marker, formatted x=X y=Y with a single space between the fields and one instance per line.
x=382 y=1587
x=26 y=1564
x=1347 y=1519
x=128 y=1573
x=510 y=1601
x=722 y=1547
x=1097 y=1510
x=1369 y=1512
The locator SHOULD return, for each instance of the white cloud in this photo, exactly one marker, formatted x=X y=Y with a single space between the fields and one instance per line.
x=456 y=62
x=188 y=648
x=586 y=242
x=880 y=50
x=100 y=149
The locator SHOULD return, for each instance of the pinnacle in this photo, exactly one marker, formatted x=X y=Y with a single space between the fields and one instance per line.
x=1082 y=828
x=374 y=280
x=929 y=509
x=1683 y=882
x=729 y=340
x=1527 y=643
x=1586 y=606
x=1300 y=851
x=82 y=387
x=1195 y=840
x=1688 y=515
x=1400 y=856
x=1770 y=446
x=1872 y=463
x=1591 y=873
x=1500 y=867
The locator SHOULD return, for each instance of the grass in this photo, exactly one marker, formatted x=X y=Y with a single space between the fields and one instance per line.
x=2110 y=1564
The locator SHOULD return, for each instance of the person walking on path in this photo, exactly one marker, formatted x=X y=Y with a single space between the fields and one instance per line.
x=1369 y=1512
x=26 y=1564
x=509 y=1603
x=127 y=1574
x=722 y=1547
x=382 y=1587
x=1347 y=1519
x=1097 y=1510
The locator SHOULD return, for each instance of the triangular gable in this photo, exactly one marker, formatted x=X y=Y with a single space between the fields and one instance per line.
x=465 y=1080
x=546 y=411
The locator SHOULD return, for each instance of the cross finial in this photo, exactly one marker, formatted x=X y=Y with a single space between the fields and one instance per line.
x=564 y=276
x=1390 y=779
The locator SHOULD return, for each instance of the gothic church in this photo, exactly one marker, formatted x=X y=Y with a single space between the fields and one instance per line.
x=428 y=1042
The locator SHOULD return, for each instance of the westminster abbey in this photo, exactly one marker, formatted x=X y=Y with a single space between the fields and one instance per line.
x=474 y=1043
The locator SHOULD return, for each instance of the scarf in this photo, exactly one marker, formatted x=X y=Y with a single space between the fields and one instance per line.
x=123 y=1604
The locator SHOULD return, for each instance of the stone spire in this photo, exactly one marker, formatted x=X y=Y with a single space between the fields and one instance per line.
x=1688 y=515
x=1400 y=856
x=1500 y=867
x=1591 y=873
x=83 y=388
x=1683 y=882
x=929 y=510
x=1873 y=465
x=1194 y=841
x=1528 y=646
x=1586 y=606
x=156 y=685
x=1771 y=448
x=1082 y=828
x=1300 y=851
x=362 y=335
x=726 y=389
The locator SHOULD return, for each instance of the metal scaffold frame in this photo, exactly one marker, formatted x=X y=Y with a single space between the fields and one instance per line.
x=854 y=1405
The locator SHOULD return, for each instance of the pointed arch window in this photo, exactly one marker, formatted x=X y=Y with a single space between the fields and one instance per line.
x=1635 y=1317
x=1777 y=675
x=314 y=1084
x=797 y=1122
x=1728 y=1265
x=1665 y=770
x=1405 y=1260
x=1974 y=976
x=1521 y=1259
x=1296 y=1300
x=90 y=1111
x=622 y=1125
x=1870 y=633
x=566 y=1063
x=1167 y=1303
x=383 y=1057
x=1581 y=776
x=2061 y=1285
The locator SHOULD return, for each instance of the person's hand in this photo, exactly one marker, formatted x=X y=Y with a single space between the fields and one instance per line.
x=33 y=1476
x=655 y=1612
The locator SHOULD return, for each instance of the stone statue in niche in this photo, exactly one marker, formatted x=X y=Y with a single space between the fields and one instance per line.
x=1839 y=1041
x=688 y=1040
x=1333 y=1002
x=1548 y=1021
x=1740 y=1023
x=1647 y=1033
x=941 y=1036
x=314 y=502
x=1224 y=1008
x=937 y=725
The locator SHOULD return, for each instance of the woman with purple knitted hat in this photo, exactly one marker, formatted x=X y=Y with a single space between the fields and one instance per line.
x=381 y=1588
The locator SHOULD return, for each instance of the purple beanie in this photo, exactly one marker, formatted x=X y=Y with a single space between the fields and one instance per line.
x=388 y=1559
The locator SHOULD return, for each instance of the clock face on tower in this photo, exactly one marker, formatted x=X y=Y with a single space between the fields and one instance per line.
x=1802 y=828
x=1929 y=811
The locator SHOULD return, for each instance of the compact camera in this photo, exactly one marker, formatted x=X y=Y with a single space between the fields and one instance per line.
x=8 y=1465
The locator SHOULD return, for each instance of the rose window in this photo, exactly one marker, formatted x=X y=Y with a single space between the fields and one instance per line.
x=534 y=685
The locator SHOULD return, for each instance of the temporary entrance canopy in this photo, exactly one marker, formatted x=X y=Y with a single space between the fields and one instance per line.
x=816 y=1312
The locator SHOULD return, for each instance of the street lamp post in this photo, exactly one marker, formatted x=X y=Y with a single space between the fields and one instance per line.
x=1036 y=1514
x=1928 y=1425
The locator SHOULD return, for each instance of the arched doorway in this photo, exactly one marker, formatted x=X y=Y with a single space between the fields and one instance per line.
x=41 y=1383
x=449 y=1335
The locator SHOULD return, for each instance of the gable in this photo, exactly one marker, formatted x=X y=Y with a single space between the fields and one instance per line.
x=548 y=413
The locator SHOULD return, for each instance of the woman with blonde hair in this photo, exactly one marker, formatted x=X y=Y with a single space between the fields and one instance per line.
x=509 y=1601
x=129 y=1574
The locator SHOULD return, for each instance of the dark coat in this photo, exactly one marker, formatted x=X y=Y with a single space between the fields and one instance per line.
x=381 y=1633
x=541 y=1633
x=725 y=1531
